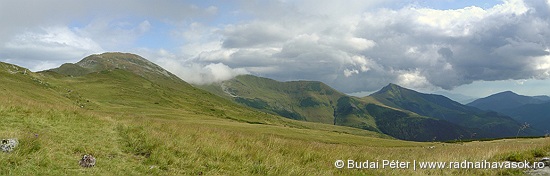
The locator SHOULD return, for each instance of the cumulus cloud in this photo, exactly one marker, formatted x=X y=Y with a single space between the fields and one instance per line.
x=47 y=47
x=415 y=46
x=195 y=73
x=52 y=39
x=55 y=45
x=412 y=79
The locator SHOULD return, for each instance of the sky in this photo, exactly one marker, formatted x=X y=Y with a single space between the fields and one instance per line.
x=473 y=48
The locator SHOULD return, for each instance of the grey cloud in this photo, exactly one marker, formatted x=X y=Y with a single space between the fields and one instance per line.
x=445 y=53
x=499 y=47
x=253 y=58
x=253 y=34
x=353 y=46
x=20 y=14
x=114 y=34
x=479 y=45
x=504 y=49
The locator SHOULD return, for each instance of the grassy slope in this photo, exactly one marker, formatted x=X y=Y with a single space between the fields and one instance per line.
x=187 y=132
x=301 y=100
x=316 y=100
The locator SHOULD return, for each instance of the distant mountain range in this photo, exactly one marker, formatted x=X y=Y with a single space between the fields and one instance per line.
x=505 y=101
x=533 y=110
x=463 y=99
x=441 y=107
x=394 y=110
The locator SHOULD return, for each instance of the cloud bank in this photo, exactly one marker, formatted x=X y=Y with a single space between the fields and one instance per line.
x=354 y=46
x=413 y=46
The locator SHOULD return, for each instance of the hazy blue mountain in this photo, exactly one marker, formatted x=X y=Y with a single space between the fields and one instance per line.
x=542 y=97
x=463 y=99
x=536 y=115
x=504 y=101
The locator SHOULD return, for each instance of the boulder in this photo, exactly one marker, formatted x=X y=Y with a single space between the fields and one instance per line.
x=87 y=161
x=546 y=161
x=7 y=145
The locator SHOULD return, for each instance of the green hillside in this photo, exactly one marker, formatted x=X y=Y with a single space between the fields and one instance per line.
x=300 y=100
x=484 y=124
x=111 y=61
x=316 y=102
x=137 y=122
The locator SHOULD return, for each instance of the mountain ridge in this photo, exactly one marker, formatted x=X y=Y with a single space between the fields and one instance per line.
x=505 y=100
x=536 y=115
x=115 y=60
x=308 y=103
x=532 y=110
x=441 y=107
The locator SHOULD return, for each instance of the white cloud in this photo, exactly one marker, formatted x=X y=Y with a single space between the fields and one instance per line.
x=44 y=65
x=542 y=66
x=449 y=22
x=362 y=62
x=516 y=7
x=360 y=43
x=52 y=39
x=412 y=79
x=349 y=73
x=221 y=72
x=48 y=47
x=193 y=71
x=216 y=55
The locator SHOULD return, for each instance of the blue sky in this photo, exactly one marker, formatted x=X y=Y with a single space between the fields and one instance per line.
x=475 y=48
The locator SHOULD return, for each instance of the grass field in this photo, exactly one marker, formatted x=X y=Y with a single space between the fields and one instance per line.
x=138 y=127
